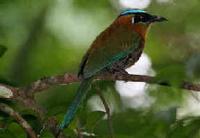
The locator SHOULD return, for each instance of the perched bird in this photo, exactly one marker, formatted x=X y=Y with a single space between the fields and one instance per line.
x=115 y=49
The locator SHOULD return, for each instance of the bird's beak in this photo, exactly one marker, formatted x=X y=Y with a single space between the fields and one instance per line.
x=158 y=19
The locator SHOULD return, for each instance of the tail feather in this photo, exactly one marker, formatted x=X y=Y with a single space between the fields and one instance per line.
x=80 y=95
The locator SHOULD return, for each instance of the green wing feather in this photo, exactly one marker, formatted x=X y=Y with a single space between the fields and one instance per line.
x=112 y=45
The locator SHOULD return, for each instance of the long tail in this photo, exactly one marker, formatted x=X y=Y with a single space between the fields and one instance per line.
x=80 y=95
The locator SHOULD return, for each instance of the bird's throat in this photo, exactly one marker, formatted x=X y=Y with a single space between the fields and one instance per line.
x=141 y=29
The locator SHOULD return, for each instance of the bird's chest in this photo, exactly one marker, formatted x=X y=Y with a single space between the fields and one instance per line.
x=128 y=61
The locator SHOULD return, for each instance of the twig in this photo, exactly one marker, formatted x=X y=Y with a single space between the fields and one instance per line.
x=23 y=123
x=48 y=82
x=110 y=127
x=52 y=125
x=45 y=83
x=26 y=94
x=78 y=129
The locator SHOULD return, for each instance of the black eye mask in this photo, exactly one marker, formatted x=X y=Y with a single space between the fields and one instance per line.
x=141 y=18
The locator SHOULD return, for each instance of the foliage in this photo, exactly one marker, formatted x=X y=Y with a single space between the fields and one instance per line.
x=49 y=37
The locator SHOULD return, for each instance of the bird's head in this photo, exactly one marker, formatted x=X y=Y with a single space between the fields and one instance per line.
x=140 y=20
x=141 y=16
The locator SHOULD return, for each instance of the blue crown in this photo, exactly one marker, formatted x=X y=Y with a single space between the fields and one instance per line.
x=131 y=11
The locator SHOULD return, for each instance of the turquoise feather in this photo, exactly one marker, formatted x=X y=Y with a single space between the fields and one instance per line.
x=80 y=96
x=132 y=11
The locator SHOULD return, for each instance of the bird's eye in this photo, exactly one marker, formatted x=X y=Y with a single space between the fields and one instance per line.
x=142 y=18
x=138 y=19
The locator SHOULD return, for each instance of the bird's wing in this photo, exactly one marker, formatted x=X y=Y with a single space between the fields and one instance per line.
x=111 y=46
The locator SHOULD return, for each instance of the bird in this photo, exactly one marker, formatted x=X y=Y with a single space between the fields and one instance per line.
x=118 y=47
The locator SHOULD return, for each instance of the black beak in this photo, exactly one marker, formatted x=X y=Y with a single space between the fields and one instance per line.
x=158 y=19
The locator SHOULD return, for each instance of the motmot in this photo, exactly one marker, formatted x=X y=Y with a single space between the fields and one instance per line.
x=116 y=48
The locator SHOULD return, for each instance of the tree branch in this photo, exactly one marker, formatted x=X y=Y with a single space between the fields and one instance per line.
x=26 y=94
x=21 y=121
x=48 y=82
x=52 y=125
x=107 y=109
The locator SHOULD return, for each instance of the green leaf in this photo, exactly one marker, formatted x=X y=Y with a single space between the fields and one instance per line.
x=136 y=124
x=4 y=133
x=93 y=118
x=6 y=81
x=172 y=74
x=46 y=134
x=16 y=130
x=184 y=128
x=34 y=122
x=169 y=115
x=2 y=50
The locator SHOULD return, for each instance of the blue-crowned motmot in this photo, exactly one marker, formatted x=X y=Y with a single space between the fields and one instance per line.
x=118 y=47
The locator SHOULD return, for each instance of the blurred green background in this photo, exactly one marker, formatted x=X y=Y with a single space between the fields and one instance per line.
x=49 y=37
